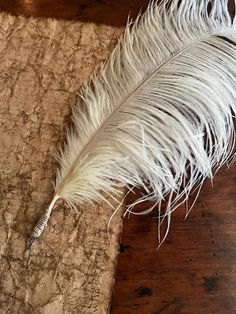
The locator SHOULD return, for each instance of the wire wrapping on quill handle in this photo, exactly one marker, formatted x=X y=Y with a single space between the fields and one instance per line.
x=41 y=224
x=159 y=115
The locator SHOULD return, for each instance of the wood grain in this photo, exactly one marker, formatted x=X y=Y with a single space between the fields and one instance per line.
x=109 y=12
x=194 y=271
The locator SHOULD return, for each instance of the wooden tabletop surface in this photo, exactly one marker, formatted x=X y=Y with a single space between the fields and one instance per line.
x=194 y=272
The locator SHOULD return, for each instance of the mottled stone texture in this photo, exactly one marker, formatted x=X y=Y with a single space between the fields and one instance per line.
x=70 y=269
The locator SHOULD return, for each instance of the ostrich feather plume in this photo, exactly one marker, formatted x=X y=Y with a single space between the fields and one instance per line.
x=160 y=113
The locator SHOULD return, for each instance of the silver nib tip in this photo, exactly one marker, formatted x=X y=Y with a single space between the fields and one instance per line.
x=28 y=243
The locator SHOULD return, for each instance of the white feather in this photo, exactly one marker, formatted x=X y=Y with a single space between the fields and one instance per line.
x=159 y=115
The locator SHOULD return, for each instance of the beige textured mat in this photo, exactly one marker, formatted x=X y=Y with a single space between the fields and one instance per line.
x=70 y=269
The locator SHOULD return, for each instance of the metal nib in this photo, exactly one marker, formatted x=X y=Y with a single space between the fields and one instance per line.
x=28 y=243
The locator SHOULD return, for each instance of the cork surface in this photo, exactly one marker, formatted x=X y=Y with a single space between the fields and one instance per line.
x=70 y=269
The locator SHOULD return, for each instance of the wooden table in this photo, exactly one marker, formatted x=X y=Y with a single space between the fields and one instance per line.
x=194 y=271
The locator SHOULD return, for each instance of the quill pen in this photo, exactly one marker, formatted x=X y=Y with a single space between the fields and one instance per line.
x=158 y=115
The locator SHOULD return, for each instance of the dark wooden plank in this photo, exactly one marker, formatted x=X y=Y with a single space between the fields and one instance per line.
x=98 y=11
x=194 y=271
